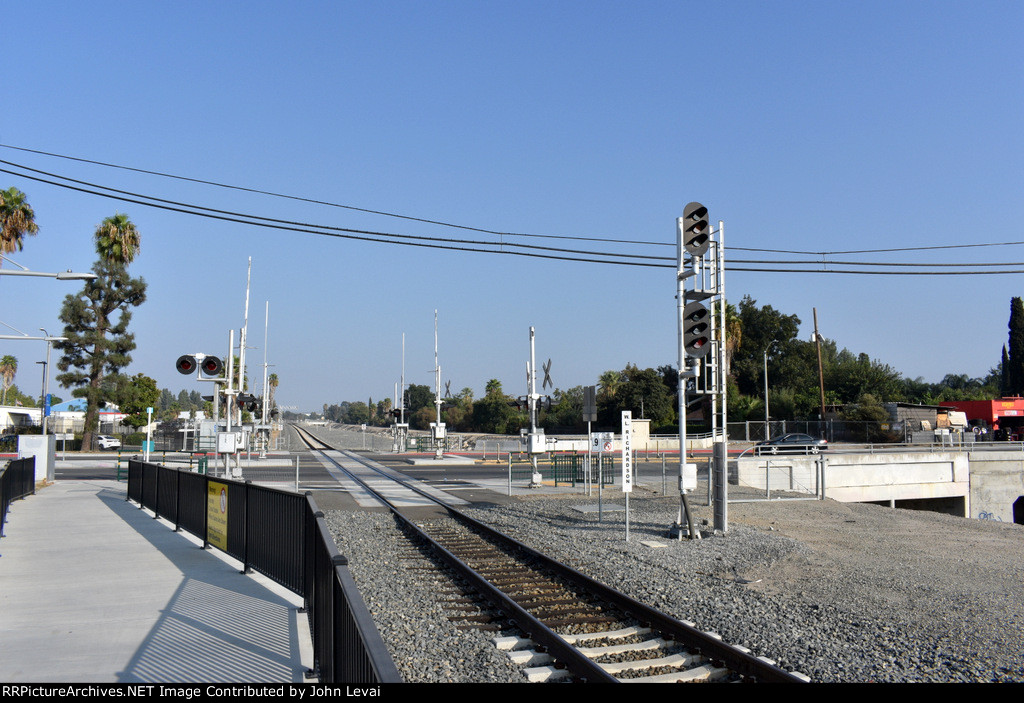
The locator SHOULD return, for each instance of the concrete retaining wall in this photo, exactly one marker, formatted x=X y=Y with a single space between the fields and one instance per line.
x=997 y=481
x=862 y=478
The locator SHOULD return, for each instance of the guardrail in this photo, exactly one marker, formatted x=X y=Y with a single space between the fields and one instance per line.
x=283 y=536
x=17 y=480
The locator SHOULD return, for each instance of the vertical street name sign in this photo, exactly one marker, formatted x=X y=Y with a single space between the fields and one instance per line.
x=627 y=451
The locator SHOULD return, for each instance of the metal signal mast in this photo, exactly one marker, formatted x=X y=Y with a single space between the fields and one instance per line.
x=438 y=428
x=699 y=289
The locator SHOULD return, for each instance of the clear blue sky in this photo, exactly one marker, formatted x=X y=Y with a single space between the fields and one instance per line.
x=808 y=126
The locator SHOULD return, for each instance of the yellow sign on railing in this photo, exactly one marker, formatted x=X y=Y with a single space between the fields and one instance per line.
x=217 y=514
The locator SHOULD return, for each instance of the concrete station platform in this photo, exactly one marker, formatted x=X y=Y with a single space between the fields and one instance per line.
x=94 y=589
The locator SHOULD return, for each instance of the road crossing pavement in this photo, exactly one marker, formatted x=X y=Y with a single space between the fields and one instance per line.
x=343 y=465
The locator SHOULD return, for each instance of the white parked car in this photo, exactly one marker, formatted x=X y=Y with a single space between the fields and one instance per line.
x=107 y=442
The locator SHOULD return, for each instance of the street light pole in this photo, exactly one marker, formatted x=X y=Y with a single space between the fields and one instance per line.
x=766 y=394
x=767 y=421
x=46 y=379
x=42 y=399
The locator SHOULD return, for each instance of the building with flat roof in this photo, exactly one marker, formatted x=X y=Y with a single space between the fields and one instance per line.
x=1002 y=415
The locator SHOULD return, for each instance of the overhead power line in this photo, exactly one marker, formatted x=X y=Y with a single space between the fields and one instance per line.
x=821 y=265
x=509 y=248
x=879 y=251
x=331 y=204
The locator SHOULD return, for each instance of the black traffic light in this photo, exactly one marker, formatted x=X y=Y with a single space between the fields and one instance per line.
x=696 y=232
x=696 y=330
x=186 y=364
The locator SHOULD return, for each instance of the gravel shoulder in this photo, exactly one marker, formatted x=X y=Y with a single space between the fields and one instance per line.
x=839 y=592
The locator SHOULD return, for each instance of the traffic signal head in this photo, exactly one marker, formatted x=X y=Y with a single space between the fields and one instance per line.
x=696 y=330
x=211 y=366
x=186 y=364
x=696 y=231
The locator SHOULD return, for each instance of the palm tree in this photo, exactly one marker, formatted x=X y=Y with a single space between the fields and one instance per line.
x=493 y=388
x=272 y=385
x=733 y=333
x=610 y=382
x=16 y=220
x=117 y=239
x=8 y=367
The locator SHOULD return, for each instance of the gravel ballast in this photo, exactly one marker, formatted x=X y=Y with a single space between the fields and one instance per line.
x=839 y=592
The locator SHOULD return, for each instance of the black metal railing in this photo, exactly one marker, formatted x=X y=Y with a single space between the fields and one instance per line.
x=283 y=536
x=17 y=480
x=337 y=613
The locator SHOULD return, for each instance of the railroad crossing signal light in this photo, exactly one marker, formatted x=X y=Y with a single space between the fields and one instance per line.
x=696 y=330
x=211 y=366
x=247 y=401
x=186 y=364
x=520 y=403
x=696 y=232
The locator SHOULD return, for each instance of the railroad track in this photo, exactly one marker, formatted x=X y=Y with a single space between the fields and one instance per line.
x=568 y=627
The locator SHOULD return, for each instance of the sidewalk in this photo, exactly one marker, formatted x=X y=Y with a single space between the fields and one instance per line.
x=93 y=589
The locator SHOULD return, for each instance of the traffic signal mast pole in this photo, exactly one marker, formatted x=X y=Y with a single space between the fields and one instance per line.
x=685 y=372
x=720 y=464
x=531 y=373
x=699 y=286
x=439 y=435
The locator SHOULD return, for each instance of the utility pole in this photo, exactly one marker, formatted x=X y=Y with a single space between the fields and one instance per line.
x=821 y=375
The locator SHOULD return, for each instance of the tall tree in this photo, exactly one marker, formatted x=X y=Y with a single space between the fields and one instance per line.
x=16 y=220
x=272 y=386
x=117 y=239
x=644 y=393
x=764 y=329
x=733 y=330
x=8 y=368
x=609 y=382
x=492 y=413
x=1004 y=364
x=1015 y=362
x=96 y=322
